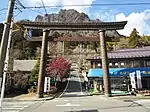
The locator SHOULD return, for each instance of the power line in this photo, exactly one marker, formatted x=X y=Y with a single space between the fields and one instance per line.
x=23 y=6
x=3 y=9
x=85 y=5
x=18 y=8
x=19 y=3
x=44 y=6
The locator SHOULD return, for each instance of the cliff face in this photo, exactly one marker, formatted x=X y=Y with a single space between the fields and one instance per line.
x=72 y=15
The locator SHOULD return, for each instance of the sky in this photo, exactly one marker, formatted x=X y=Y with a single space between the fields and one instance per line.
x=138 y=16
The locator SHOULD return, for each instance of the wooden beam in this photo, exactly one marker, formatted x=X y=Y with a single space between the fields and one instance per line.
x=75 y=26
x=75 y=39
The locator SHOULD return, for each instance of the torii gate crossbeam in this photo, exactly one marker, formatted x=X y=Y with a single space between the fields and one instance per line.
x=75 y=26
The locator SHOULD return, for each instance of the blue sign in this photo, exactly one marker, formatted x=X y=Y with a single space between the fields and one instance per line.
x=29 y=34
x=119 y=72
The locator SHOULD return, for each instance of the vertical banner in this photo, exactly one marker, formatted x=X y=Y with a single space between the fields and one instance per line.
x=28 y=34
x=139 y=82
x=132 y=79
x=47 y=84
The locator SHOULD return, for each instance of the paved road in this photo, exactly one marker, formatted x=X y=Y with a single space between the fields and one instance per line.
x=16 y=106
x=76 y=100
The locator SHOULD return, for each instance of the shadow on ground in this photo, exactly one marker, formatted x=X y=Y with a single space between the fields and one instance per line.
x=133 y=104
x=14 y=92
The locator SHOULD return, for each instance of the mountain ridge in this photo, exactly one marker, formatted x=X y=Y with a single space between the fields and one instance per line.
x=72 y=15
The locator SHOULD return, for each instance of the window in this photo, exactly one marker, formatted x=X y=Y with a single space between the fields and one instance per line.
x=128 y=64
x=136 y=64
x=148 y=63
x=116 y=64
x=122 y=64
x=99 y=65
x=110 y=65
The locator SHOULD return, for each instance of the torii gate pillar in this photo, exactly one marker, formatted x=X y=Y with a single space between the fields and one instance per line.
x=43 y=61
x=104 y=58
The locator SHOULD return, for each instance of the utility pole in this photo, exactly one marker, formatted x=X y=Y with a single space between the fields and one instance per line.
x=5 y=36
x=43 y=61
x=104 y=58
x=4 y=43
x=6 y=65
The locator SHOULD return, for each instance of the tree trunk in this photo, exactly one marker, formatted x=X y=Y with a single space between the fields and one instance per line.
x=55 y=81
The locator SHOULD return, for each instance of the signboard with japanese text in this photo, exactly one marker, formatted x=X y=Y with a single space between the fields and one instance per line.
x=127 y=71
x=47 y=84
x=116 y=72
x=139 y=82
x=132 y=80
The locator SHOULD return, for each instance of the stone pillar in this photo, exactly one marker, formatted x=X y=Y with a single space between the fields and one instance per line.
x=43 y=61
x=106 y=77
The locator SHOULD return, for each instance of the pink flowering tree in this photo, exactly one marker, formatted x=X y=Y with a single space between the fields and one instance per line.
x=58 y=68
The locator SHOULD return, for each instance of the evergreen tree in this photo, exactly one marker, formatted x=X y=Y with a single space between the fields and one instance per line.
x=33 y=77
x=134 y=38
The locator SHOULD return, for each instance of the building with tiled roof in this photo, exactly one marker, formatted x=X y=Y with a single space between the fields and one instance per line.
x=137 y=57
x=121 y=63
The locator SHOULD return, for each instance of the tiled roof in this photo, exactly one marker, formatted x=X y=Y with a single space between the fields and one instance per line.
x=128 y=53
x=24 y=65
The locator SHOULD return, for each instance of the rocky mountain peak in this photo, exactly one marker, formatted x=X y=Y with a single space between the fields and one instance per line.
x=64 y=16
x=72 y=15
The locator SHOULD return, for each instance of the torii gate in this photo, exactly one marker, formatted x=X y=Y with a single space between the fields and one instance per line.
x=96 y=26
